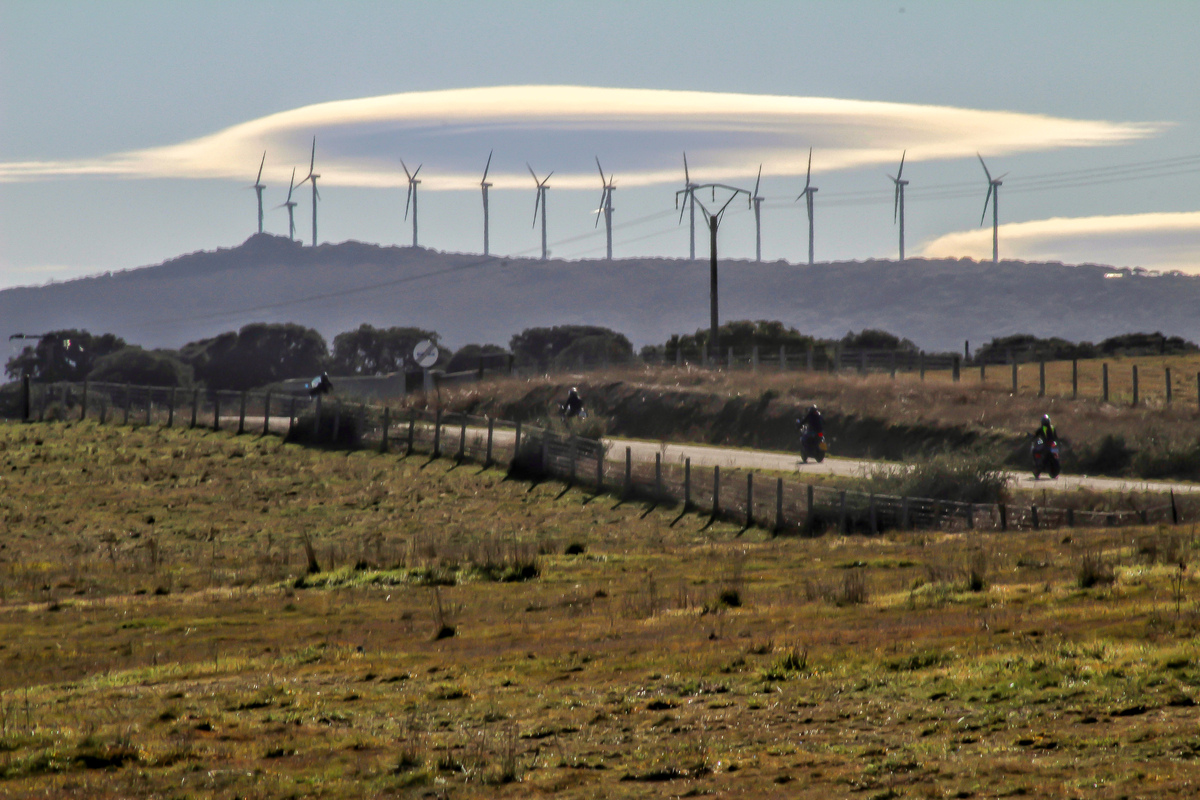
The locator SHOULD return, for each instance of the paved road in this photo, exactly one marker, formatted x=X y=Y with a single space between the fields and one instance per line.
x=739 y=458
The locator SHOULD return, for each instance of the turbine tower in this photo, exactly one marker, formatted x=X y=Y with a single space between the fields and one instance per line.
x=412 y=196
x=898 y=204
x=312 y=176
x=607 y=188
x=756 y=200
x=485 y=185
x=540 y=201
x=993 y=194
x=807 y=194
x=258 y=188
x=290 y=204
x=690 y=201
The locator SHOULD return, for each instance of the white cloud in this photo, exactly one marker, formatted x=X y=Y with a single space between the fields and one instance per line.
x=638 y=133
x=1162 y=241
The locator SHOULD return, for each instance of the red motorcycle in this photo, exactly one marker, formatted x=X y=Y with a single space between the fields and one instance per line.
x=1045 y=458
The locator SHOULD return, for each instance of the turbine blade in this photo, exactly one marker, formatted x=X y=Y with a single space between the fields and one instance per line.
x=896 y=204
x=487 y=166
x=258 y=180
x=602 y=180
x=547 y=178
x=603 y=195
x=291 y=185
x=407 y=174
x=985 y=169
x=534 y=174
x=535 y=207
x=758 y=180
x=418 y=172
x=313 y=161
x=983 y=216
x=687 y=180
x=900 y=171
x=407 y=200
x=808 y=175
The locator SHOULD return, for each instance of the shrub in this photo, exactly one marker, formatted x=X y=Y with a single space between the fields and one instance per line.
x=854 y=588
x=953 y=477
x=1109 y=457
x=1094 y=570
x=339 y=427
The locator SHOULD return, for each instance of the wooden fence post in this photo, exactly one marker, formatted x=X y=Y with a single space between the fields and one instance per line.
x=149 y=402
x=83 y=402
x=778 y=504
x=128 y=401
x=956 y=369
x=337 y=421
x=291 y=415
x=171 y=411
x=893 y=365
x=599 y=467
x=982 y=372
x=782 y=358
x=1168 y=380
x=1074 y=378
x=842 y=520
x=103 y=410
x=462 y=444
x=749 y=498
x=217 y=410
x=729 y=359
x=1104 y=380
x=921 y=363
x=1070 y=518
x=808 y=509
x=267 y=413
x=1003 y=517
x=904 y=513
x=754 y=358
x=412 y=429
x=716 y=503
x=1174 y=509
x=545 y=452
x=1041 y=379
x=491 y=429
x=862 y=362
x=628 y=472
x=1014 y=377
x=387 y=423
x=871 y=508
x=678 y=357
x=1033 y=516
x=657 y=476
x=1198 y=389
x=195 y=406
x=242 y=415
x=573 y=449
x=1135 y=384
x=516 y=441
x=970 y=514
x=687 y=484
x=437 y=434
x=809 y=363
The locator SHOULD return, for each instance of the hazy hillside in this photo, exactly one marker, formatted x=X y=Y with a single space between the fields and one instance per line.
x=468 y=298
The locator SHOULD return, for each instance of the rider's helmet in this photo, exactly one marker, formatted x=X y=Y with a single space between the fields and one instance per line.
x=573 y=393
x=1046 y=419
x=813 y=409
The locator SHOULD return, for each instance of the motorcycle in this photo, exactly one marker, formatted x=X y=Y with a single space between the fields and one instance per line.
x=812 y=445
x=566 y=413
x=1045 y=458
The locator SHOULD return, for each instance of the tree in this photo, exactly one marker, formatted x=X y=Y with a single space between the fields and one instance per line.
x=873 y=339
x=259 y=354
x=1026 y=347
x=378 y=351
x=66 y=355
x=540 y=347
x=742 y=335
x=142 y=367
x=471 y=356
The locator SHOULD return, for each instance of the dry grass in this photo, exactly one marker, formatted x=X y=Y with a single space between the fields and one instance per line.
x=154 y=642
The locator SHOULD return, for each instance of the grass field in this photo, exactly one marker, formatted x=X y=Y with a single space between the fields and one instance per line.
x=194 y=614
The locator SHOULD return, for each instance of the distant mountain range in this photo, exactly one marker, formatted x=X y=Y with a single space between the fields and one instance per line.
x=470 y=298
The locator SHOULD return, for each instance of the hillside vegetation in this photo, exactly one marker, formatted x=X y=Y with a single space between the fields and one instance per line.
x=188 y=613
x=470 y=298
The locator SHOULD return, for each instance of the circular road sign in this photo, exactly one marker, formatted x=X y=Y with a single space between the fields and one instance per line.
x=425 y=353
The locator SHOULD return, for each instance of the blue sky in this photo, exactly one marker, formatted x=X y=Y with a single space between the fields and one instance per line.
x=82 y=83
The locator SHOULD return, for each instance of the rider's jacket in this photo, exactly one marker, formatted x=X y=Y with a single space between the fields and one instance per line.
x=1046 y=433
x=813 y=420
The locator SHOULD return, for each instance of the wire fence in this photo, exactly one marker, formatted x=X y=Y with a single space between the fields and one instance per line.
x=779 y=503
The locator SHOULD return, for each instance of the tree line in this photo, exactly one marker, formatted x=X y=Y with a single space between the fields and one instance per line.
x=260 y=354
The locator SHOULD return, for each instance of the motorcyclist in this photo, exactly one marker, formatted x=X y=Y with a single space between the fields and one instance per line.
x=574 y=405
x=812 y=419
x=320 y=385
x=1046 y=431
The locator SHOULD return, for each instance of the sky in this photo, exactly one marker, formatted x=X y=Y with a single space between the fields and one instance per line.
x=131 y=132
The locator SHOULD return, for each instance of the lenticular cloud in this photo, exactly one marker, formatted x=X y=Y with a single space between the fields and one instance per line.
x=1162 y=241
x=637 y=133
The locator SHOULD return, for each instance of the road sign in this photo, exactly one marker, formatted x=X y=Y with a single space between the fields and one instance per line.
x=425 y=353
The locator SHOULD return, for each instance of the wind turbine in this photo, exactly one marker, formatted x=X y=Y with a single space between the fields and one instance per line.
x=993 y=194
x=258 y=188
x=412 y=196
x=312 y=176
x=541 y=201
x=898 y=205
x=485 y=185
x=690 y=201
x=608 y=187
x=290 y=204
x=714 y=220
x=757 y=202
x=807 y=194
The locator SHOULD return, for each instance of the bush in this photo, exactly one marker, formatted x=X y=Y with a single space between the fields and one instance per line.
x=142 y=368
x=338 y=427
x=1109 y=457
x=952 y=477
x=1094 y=570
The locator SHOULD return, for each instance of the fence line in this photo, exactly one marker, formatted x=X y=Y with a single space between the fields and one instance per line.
x=776 y=503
